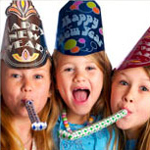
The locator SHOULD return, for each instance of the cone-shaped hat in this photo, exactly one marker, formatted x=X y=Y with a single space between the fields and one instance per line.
x=140 y=54
x=79 y=30
x=24 y=43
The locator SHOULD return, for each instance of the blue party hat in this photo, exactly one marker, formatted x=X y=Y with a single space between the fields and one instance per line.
x=80 y=29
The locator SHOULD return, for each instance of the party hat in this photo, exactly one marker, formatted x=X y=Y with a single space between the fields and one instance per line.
x=140 y=54
x=79 y=30
x=24 y=43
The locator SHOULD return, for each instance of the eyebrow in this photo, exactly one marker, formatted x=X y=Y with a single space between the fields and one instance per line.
x=122 y=73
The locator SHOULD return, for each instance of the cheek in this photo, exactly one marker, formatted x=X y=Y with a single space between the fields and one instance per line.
x=4 y=86
x=115 y=92
x=113 y=95
x=98 y=81
x=113 y=100
x=61 y=87
x=42 y=89
x=41 y=99
x=46 y=89
x=98 y=88
x=143 y=109
x=8 y=92
x=64 y=88
x=59 y=80
x=9 y=101
x=62 y=82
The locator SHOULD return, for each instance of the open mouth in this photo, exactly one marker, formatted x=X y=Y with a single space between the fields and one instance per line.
x=81 y=95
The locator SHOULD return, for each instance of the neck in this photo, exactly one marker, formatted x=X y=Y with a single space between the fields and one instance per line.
x=23 y=129
x=133 y=133
x=76 y=119
x=28 y=144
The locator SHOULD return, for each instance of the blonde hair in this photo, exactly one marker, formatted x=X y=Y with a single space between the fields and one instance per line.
x=102 y=105
x=143 y=140
x=43 y=139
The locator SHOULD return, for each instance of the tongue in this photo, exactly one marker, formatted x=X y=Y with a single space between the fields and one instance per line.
x=80 y=95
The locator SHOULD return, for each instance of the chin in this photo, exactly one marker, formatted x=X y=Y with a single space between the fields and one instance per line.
x=122 y=125
x=83 y=113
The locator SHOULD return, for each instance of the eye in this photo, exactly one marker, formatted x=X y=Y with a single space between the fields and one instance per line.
x=68 y=69
x=143 y=88
x=90 y=68
x=123 y=82
x=38 y=76
x=15 y=75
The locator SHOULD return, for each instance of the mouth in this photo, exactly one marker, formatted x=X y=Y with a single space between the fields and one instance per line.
x=129 y=112
x=24 y=100
x=81 y=94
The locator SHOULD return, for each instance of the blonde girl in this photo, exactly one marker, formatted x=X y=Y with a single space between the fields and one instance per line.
x=131 y=91
x=25 y=75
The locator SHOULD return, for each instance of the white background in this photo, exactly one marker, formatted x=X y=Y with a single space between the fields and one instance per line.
x=124 y=22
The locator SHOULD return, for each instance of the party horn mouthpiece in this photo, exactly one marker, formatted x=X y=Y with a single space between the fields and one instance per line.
x=35 y=121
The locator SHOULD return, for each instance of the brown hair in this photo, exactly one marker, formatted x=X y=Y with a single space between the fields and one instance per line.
x=144 y=138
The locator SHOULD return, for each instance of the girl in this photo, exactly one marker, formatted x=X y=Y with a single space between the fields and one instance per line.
x=131 y=90
x=25 y=75
x=82 y=76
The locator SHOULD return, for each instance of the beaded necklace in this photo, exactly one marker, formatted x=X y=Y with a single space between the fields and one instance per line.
x=93 y=128
x=66 y=124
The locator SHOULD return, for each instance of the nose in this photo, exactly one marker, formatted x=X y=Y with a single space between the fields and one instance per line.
x=79 y=76
x=27 y=85
x=129 y=96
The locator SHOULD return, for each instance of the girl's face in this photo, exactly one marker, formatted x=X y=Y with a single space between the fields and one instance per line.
x=79 y=81
x=19 y=85
x=131 y=90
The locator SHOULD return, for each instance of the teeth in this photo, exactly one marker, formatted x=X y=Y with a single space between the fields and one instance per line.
x=81 y=90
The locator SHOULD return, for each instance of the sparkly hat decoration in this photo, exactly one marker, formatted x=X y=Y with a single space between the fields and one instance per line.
x=140 y=54
x=24 y=43
x=79 y=30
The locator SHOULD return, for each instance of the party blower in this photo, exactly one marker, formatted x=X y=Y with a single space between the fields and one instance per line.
x=93 y=127
x=36 y=123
